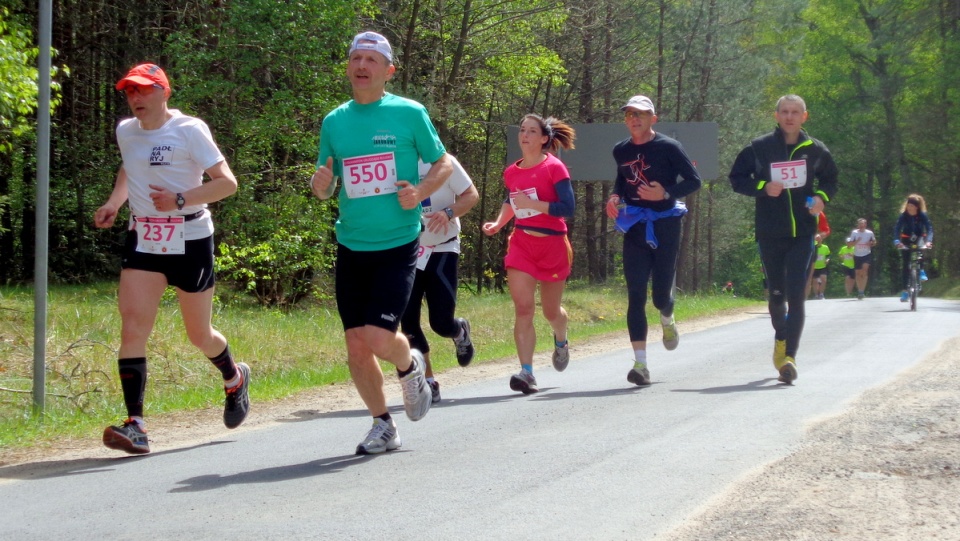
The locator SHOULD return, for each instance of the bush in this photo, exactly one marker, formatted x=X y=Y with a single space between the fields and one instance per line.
x=280 y=252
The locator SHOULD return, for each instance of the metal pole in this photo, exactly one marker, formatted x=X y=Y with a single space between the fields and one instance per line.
x=43 y=208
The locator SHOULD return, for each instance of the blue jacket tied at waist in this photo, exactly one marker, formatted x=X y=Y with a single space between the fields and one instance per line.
x=630 y=215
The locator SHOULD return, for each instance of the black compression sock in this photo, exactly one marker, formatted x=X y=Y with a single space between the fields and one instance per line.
x=133 y=381
x=224 y=363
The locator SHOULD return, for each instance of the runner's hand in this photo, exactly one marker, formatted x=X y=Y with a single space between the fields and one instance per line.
x=652 y=192
x=437 y=222
x=408 y=195
x=322 y=179
x=490 y=228
x=817 y=206
x=105 y=216
x=613 y=207
x=163 y=199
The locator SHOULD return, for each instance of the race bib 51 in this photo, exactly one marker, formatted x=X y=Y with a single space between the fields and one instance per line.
x=790 y=174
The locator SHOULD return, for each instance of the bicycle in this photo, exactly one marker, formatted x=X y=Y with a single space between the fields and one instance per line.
x=914 y=281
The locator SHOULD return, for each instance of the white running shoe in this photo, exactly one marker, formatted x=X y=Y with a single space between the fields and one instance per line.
x=417 y=396
x=382 y=437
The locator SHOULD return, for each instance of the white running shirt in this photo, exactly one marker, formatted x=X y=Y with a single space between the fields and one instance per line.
x=862 y=241
x=457 y=183
x=173 y=156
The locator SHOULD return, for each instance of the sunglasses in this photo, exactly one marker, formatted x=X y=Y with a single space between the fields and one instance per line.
x=143 y=90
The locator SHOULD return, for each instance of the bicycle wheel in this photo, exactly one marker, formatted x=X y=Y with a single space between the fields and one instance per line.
x=914 y=285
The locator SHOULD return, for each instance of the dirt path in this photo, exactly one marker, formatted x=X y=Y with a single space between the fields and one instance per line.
x=886 y=469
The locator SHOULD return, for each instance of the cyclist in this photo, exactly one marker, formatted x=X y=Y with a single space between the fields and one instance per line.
x=913 y=229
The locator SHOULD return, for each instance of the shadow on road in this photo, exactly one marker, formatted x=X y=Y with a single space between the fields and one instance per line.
x=82 y=466
x=310 y=415
x=590 y=394
x=273 y=475
x=759 y=385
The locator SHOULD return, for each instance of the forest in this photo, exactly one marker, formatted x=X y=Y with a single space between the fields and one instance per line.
x=879 y=85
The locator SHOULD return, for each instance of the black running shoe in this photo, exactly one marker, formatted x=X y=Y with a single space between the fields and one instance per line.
x=237 y=404
x=127 y=437
x=464 y=344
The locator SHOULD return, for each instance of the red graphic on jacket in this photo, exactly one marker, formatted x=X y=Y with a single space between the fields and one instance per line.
x=637 y=167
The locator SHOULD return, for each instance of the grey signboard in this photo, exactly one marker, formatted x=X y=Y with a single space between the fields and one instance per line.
x=592 y=159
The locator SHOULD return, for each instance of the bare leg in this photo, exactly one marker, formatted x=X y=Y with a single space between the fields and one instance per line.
x=138 y=300
x=522 y=289
x=364 y=345
x=551 y=295
x=197 y=310
x=862 y=274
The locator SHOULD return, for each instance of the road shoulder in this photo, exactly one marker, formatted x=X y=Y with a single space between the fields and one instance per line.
x=887 y=468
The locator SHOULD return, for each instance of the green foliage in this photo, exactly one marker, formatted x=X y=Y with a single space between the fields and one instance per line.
x=880 y=78
x=18 y=79
x=278 y=271
x=280 y=250
x=263 y=77
x=742 y=266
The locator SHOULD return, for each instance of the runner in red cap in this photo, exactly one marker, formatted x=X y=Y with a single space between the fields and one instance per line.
x=169 y=242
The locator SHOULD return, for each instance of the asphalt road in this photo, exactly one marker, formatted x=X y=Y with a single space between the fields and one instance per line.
x=589 y=457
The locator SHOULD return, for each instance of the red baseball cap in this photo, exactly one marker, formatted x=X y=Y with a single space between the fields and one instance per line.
x=144 y=74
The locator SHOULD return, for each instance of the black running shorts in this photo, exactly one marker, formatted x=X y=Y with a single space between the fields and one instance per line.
x=191 y=272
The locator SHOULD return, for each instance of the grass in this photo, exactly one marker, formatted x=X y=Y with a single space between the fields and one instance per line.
x=942 y=287
x=290 y=351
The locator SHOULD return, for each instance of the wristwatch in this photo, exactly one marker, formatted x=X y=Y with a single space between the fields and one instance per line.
x=449 y=212
x=180 y=201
